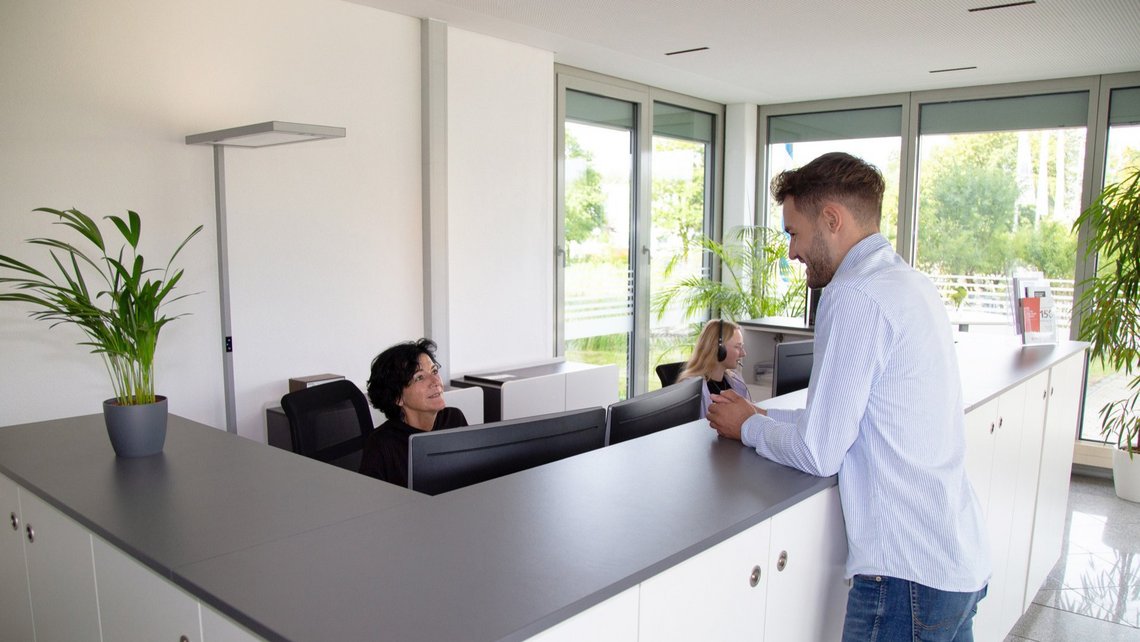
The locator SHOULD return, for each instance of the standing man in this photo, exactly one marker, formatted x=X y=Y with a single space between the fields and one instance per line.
x=884 y=412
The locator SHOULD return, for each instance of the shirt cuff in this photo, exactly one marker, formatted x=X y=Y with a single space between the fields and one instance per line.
x=751 y=431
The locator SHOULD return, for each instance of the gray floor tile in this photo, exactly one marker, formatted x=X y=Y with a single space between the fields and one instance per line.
x=1093 y=593
x=1046 y=624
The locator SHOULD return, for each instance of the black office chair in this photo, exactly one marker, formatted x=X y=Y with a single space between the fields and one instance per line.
x=668 y=372
x=329 y=422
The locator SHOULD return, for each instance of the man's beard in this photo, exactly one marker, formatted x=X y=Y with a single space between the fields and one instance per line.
x=820 y=269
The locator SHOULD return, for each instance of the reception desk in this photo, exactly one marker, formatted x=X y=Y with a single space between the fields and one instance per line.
x=219 y=537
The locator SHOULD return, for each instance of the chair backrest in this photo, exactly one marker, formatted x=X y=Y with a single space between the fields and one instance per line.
x=329 y=422
x=668 y=372
x=650 y=412
x=792 y=366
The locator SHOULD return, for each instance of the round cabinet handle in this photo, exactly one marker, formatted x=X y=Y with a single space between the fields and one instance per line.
x=31 y=533
x=754 y=579
x=782 y=561
x=183 y=639
x=15 y=521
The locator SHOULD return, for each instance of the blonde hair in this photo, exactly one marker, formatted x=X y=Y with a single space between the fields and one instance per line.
x=704 y=353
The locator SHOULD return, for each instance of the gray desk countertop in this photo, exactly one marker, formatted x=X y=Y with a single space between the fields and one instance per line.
x=299 y=550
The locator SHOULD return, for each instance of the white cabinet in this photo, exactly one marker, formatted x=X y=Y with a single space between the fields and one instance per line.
x=614 y=620
x=137 y=604
x=69 y=585
x=788 y=568
x=61 y=576
x=15 y=604
x=1019 y=450
x=1063 y=401
x=717 y=594
x=807 y=592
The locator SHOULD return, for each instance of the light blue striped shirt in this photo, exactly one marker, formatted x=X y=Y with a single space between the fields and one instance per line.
x=884 y=411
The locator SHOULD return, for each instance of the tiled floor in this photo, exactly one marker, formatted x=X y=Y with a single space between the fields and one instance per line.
x=1093 y=594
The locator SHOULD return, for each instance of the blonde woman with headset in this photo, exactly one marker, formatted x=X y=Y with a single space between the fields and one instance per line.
x=717 y=355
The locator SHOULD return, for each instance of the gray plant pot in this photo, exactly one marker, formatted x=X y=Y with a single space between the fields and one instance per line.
x=136 y=431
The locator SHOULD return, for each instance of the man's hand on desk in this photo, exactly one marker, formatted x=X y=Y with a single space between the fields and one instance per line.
x=728 y=412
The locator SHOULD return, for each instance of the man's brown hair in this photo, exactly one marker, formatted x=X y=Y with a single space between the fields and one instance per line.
x=834 y=176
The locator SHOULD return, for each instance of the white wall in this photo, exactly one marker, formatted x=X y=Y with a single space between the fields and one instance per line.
x=325 y=239
x=500 y=202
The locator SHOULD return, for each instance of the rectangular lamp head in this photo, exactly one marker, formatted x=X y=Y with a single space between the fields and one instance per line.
x=266 y=134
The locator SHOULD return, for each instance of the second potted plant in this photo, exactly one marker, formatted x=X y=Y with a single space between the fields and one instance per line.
x=1110 y=317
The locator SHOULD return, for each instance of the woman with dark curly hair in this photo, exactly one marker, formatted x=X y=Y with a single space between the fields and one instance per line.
x=404 y=385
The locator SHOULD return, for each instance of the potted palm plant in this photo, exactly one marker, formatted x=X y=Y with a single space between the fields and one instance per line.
x=755 y=260
x=1110 y=317
x=116 y=301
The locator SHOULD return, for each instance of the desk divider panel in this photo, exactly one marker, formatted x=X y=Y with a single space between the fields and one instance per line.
x=534 y=396
x=468 y=400
x=592 y=387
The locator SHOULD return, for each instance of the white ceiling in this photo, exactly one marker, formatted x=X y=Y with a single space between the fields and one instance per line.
x=776 y=51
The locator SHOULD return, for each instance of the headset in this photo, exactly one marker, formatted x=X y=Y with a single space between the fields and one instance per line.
x=721 y=351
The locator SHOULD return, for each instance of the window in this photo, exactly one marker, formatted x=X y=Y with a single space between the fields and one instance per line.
x=1122 y=155
x=793 y=140
x=999 y=186
x=637 y=188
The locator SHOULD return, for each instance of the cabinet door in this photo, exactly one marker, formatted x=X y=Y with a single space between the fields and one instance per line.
x=981 y=426
x=137 y=604
x=717 y=594
x=990 y=623
x=614 y=620
x=61 y=576
x=15 y=605
x=1066 y=380
x=1025 y=495
x=218 y=628
x=807 y=592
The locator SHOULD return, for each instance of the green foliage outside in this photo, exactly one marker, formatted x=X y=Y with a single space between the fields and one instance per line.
x=970 y=220
x=585 y=200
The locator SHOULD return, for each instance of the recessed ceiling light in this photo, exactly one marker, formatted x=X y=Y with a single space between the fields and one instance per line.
x=1002 y=6
x=685 y=51
x=942 y=71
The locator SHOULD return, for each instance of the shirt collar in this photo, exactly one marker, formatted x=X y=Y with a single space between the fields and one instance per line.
x=870 y=245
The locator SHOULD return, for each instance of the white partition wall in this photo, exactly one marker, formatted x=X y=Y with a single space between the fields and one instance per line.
x=534 y=396
x=469 y=400
x=592 y=387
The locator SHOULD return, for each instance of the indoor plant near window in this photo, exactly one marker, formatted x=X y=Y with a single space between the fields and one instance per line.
x=116 y=301
x=755 y=263
x=1110 y=317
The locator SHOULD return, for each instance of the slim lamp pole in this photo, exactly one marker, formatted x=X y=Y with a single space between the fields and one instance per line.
x=224 y=287
x=265 y=134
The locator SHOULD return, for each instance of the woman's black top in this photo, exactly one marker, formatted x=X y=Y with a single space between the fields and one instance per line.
x=717 y=387
x=386 y=448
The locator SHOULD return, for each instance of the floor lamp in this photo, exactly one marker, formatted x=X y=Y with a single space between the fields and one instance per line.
x=260 y=135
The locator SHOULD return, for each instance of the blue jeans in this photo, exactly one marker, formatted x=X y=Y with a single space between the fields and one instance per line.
x=887 y=609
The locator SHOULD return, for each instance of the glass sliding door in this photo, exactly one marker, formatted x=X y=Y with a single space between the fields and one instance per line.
x=638 y=170
x=999 y=186
x=681 y=211
x=1123 y=157
x=599 y=174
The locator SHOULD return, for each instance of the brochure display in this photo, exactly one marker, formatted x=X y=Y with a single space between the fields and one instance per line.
x=1033 y=309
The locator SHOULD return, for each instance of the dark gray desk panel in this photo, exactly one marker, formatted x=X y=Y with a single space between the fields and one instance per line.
x=508 y=558
x=207 y=494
